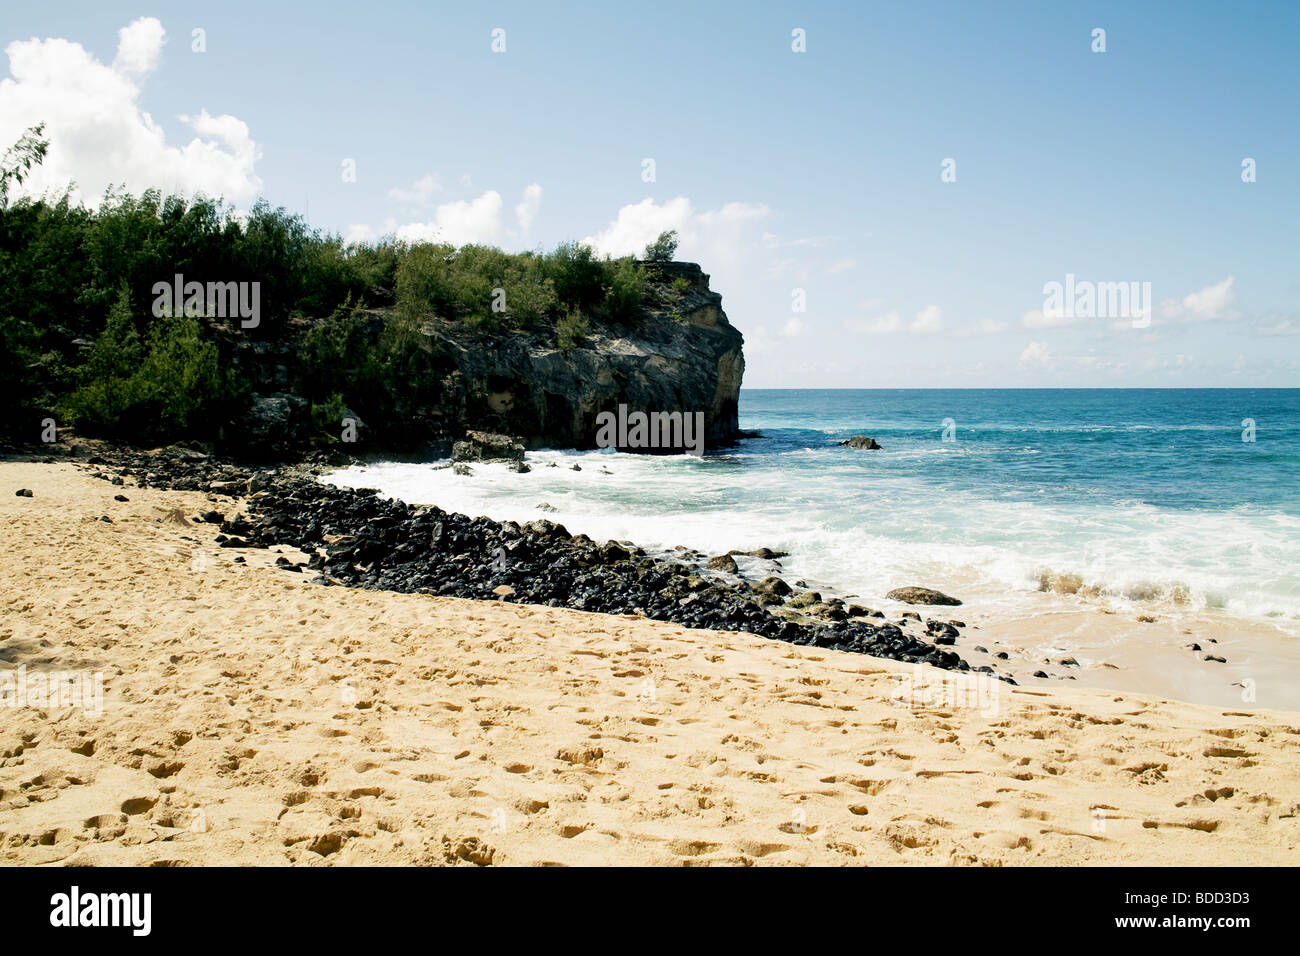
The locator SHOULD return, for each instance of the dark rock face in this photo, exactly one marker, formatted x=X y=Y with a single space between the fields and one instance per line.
x=862 y=443
x=275 y=422
x=679 y=354
x=485 y=446
x=914 y=595
x=525 y=386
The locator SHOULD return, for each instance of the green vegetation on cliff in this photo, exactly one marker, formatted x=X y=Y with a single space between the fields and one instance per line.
x=84 y=341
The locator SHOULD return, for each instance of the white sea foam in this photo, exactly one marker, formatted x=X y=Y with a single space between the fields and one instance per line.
x=865 y=531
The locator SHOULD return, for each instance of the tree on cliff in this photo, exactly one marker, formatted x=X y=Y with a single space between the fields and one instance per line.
x=19 y=159
x=664 y=248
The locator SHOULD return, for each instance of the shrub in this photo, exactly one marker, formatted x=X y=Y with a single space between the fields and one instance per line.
x=664 y=248
x=19 y=385
x=578 y=274
x=423 y=280
x=173 y=388
x=626 y=288
x=571 y=331
x=530 y=294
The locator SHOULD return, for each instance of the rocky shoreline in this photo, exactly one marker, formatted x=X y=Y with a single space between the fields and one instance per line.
x=355 y=538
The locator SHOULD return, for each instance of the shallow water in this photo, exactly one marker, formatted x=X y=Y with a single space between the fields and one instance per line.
x=1149 y=496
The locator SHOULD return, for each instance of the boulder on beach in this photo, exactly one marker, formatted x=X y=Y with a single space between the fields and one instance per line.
x=487 y=446
x=862 y=442
x=723 y=562
x=766 y=553
x=915 y=595
x=773 y=585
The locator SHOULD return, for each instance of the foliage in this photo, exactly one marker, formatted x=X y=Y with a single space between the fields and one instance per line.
x=664 y=248
x=571 y=331
x=79 y=340
x=164 y=390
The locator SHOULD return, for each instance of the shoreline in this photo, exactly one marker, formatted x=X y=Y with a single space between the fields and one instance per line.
x=1050 y=641
x=252 y=717
x=1101 y=640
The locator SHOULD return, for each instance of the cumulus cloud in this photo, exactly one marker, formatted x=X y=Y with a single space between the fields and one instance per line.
x=927 y=322
x=526 y=211
x=983 y=327
x=794 y=328
x=880 y=325
x=1038 y=319
x=459 y=222
x=1036 y=354
x=100 y=137
x=1278 y=325
x=1211 y=301
x=139 y=46
x=759 y=342
x=716 y=236
x=420 y=193
x=1204 y=305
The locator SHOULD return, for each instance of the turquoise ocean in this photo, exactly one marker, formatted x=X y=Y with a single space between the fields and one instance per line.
x=1182 y=499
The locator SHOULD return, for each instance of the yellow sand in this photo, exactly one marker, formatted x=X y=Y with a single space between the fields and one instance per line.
x=251 y=717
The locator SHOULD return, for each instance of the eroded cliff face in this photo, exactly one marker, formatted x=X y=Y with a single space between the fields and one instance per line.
x=679 y=354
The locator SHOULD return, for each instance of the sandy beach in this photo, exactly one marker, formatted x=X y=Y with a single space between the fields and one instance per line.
x=250 y=716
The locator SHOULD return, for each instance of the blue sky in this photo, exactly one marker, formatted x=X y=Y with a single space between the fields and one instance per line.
x=817 y=171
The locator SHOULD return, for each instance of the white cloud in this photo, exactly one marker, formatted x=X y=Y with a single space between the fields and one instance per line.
x=1204 y=305
x=794 y=328
x=928 y=321
x=881 y=325
x=1278 y=325
x=1036 y=354
x=715 y=236
x=461 y=221
x=1210 y=302
x=139 y=46
x=840 y=265
x=526 y=211
x=420 y=193
x=476 y=220
x=759 y=342
x=984 y=327
x=1037 y=319
x=99 y=136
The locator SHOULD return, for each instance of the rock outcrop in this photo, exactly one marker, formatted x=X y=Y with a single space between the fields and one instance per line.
x=862 y=443
x=681 y=355
x=677 y=354
x=485 y=446
x=915 y=595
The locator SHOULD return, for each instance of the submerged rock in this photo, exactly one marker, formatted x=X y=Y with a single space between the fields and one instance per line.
x=915 y=595
x=862 y=443
x=487 y=446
